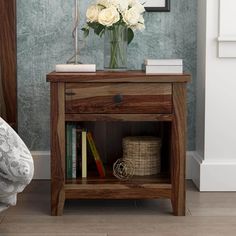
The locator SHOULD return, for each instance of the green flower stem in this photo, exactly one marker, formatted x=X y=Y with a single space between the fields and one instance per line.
x=116 y=47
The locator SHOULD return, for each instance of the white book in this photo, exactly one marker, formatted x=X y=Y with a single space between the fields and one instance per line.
x=74 y=156
x=163 y=62
x=164 y=69
x=76 y=68
x=84 y=154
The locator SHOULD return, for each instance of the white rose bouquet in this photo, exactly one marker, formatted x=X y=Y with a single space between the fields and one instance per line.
x=114 y=17
x=108 y=13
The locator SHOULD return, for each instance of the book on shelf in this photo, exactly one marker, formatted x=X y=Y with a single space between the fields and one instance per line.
x=74 y=153
x=96 y=156
x=77 y=152
x=69 y=151
x=163 y=62
x=84 y=154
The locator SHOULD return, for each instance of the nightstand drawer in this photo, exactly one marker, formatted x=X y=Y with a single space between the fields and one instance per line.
x=128 y=98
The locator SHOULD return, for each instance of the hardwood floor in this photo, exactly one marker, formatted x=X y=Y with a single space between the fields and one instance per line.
x=207 y=214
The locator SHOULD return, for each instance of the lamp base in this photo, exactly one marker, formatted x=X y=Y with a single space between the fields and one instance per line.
x=76 y=68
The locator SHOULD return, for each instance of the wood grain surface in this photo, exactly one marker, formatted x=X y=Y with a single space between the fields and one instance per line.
x=136 y=98
x=117 y=77
x=57 y=148
x=148 y=187
x=3 y=113
x=8 y=59
x=178 y=149
x=106 y=109
x=119 y=117
x=117 y=192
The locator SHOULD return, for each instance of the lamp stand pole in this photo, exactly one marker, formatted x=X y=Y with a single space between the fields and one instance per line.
x=75 y=32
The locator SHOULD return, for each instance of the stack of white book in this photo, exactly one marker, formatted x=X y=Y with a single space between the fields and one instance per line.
x=163 y=66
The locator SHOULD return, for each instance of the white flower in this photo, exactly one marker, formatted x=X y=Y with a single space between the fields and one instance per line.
x=141 y=19
x=140 y=26
x=109 y=16
x=121 y=5
x=105 y=3
x=92 y=13
x=131 y=16
x=140 y=8
x=132 y=2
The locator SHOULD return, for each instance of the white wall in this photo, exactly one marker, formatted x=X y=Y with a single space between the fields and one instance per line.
x=227 y=18
x=220 y=117
x=216 y=158
x=227 y=29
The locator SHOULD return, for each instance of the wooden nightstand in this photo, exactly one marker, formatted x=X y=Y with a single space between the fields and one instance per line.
x=148 y=101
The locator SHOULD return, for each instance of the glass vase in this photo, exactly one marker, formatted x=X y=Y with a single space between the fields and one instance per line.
x=115 y=48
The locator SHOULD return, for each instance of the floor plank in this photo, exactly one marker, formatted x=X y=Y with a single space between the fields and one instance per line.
x=119 y=218
x=211 y=203
x=1 y=218
x=50 y=234
x=121 y=225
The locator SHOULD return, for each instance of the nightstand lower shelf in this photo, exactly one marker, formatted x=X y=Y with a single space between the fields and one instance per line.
x=150 y=187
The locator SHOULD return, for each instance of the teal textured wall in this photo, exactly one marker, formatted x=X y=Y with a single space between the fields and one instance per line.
x=44 y=39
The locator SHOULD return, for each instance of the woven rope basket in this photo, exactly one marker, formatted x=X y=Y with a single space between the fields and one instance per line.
x=144 y=153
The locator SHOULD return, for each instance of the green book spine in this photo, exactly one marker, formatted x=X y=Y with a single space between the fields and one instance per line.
x=69 y=152
x=74 y=154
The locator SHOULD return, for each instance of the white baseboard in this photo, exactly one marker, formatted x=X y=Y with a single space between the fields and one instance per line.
x=211 y=175
x=42 y=164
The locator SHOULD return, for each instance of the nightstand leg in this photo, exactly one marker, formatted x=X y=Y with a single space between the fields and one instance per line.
x=178 y=149
x=57 y=148
x=57 y=198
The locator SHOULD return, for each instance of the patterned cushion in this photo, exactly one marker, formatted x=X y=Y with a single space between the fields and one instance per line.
x=16 y=164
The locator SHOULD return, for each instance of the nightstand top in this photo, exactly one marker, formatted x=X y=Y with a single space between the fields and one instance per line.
x=117 y=77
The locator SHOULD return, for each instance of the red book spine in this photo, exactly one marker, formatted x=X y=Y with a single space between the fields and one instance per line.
x=96 y=156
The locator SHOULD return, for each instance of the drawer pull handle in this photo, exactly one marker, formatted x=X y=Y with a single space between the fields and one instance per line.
x=118 y=98
x=70 y=94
